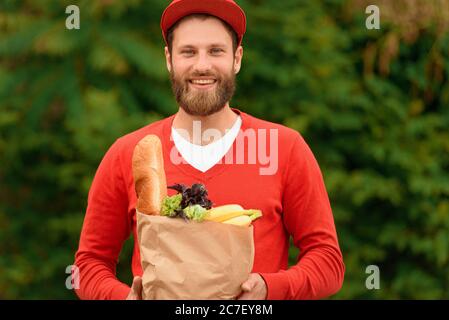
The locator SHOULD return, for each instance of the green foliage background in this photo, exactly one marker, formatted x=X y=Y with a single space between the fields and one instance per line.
x=372 y=104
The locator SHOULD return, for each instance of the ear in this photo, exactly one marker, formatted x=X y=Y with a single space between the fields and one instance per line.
x=238 y=59
x=168 y=59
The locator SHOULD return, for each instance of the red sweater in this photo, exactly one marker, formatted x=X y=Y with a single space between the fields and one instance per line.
x=293 y=200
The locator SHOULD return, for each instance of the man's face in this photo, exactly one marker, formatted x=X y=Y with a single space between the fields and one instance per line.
x=202 y=66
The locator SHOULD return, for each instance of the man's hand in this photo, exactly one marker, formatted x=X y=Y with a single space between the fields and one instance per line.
x=254 y=288
x=136 y=289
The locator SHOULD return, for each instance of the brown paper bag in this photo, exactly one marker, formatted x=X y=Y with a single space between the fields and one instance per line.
x=193 y=260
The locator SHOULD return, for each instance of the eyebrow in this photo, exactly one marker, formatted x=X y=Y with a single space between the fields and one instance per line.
x=188 y=46
x=217 y=45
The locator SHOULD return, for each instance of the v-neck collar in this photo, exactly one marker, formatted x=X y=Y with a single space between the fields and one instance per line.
x=185 y=167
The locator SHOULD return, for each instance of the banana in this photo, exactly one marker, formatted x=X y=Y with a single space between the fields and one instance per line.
x=233 y=214
x=242 y=220
x=255 y=214
x=222 y=213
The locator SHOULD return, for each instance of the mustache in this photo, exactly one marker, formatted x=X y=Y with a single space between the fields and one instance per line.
x=202 y=74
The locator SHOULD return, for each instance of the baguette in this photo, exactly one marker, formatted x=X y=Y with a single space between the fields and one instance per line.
x=149 y=175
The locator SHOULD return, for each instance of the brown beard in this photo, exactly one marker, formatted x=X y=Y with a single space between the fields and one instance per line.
x=203 y=103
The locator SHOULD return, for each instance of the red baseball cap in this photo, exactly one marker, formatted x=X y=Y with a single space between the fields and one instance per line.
x=227 y=10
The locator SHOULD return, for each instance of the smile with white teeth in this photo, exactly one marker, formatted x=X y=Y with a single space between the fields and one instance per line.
x=205 y=81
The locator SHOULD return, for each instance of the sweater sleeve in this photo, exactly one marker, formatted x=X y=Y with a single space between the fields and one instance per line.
x=307 y=216
x=106 y=226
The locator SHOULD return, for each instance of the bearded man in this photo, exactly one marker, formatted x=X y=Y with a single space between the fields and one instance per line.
x=207 y=141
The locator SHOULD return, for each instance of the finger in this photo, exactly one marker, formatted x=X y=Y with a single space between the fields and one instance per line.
x=136 y=287
x=131 y=295
x=137 y=282
x=244 y=296
x=248 y=285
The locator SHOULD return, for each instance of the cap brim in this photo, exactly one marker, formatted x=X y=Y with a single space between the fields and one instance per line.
x=227 y=11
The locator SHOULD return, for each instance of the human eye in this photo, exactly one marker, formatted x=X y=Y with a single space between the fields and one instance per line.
x=187 y=52
x=216 y=51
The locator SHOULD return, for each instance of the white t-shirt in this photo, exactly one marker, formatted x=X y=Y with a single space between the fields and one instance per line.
x=205 y=157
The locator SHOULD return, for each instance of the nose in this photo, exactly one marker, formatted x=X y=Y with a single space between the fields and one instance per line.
x=202 y=62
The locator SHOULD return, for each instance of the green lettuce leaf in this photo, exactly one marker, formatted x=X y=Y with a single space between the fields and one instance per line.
x=195 y=212
x=171 y=204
